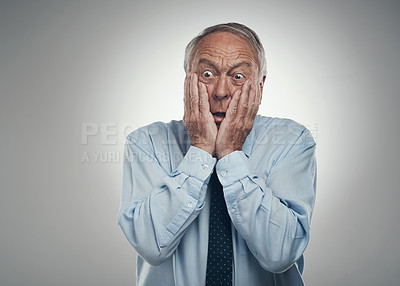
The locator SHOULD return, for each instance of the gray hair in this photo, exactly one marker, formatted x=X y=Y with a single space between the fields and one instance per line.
x=236 y=29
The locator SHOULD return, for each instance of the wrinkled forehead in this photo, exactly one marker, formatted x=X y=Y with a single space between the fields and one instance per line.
x=225 y=46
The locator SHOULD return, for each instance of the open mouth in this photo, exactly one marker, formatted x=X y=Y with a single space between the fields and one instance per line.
x=218 y=116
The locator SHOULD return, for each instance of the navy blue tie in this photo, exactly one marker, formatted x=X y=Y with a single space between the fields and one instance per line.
x=220 y=254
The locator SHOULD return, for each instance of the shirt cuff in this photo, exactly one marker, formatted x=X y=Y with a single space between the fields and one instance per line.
x=232 y=168
x=197 y=163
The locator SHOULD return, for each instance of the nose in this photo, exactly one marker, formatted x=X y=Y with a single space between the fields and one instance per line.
x=221 y=90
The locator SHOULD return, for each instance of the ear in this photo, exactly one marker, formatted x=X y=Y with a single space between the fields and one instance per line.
x=261 y=86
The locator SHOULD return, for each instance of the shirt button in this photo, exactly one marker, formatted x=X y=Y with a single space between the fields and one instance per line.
x=205 y=167
x=189 y=205
x=233 y=210
x=223 y=173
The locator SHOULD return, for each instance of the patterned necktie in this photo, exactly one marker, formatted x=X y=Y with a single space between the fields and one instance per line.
x=220 y=254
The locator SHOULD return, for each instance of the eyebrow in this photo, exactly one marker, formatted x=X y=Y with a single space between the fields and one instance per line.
x=205 y=61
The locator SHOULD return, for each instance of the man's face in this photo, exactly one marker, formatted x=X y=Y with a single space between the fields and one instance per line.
x=223 y=62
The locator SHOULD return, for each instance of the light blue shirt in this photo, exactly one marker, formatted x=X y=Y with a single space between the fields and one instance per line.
x=269 y=189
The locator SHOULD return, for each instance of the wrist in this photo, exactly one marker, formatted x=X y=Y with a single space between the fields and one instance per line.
x=225 y=152
x=207 y=148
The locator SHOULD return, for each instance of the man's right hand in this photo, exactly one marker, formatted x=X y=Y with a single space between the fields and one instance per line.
x=197 y=117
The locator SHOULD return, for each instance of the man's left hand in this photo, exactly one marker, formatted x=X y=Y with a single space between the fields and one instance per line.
x=239 y=119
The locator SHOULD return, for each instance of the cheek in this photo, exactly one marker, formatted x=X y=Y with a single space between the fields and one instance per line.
x=210 y=88
x=235 y=88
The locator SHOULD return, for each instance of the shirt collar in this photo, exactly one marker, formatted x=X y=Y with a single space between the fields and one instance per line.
x=248 y=144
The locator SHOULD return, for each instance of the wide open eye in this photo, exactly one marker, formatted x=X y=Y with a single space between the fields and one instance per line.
x=207 y=74
x=238 y=76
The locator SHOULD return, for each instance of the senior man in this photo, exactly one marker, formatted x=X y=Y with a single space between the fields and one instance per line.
x=225 y=196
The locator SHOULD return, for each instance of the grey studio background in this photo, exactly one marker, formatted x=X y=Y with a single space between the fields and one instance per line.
x=77 y=76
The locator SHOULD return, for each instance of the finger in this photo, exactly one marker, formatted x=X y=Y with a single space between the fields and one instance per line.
x=244 y=100
x=204 y=104
x=186 y=96
x=194 y=95
x=252 y=99
x=232 y=111
x=257 y=101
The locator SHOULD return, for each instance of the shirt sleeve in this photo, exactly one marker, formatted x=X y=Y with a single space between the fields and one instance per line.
x=272 y=214
x=158 y=206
